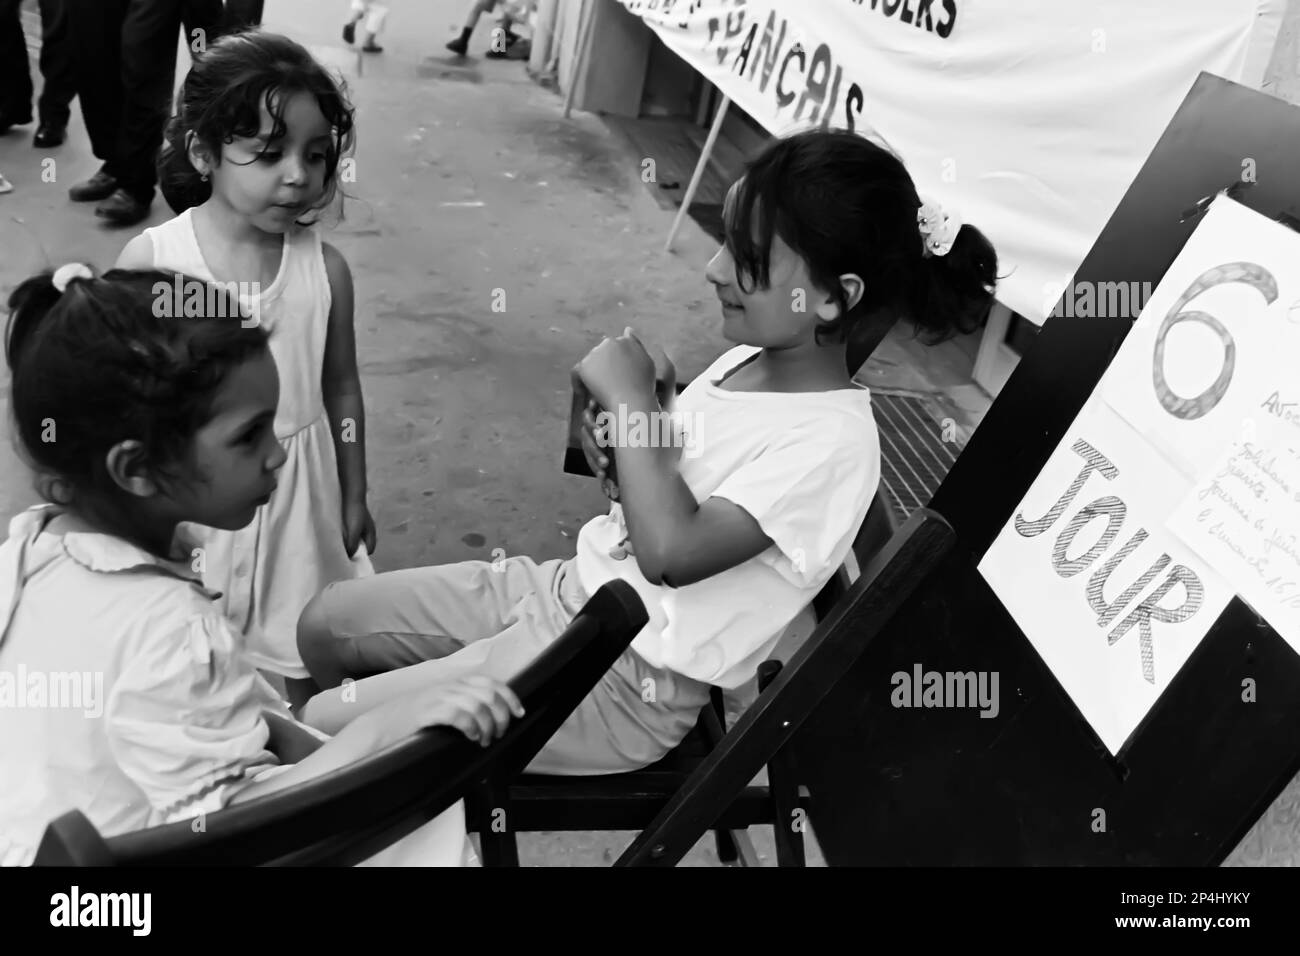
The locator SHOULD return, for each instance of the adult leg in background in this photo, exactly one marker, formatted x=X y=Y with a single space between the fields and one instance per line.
x=148 y=74
x=461 y=43
x=58 y=73
x=15 y=75
x=95 y=30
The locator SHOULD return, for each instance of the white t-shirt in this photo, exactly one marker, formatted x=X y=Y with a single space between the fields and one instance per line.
x=122 y=694
x=805 y=466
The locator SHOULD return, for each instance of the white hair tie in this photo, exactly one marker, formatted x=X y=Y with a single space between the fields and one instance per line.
x=65 y=274
x=938 y=228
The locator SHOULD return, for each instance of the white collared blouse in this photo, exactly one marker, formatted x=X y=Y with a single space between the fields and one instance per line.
x=121 y=690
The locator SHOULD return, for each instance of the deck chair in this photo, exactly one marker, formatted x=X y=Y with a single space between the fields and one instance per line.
x=632 y=801
x=352 y=813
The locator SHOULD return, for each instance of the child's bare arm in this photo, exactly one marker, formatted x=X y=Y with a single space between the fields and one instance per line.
x=479 y=707
x=676 y=540
x=341 y=387
x=338 y=707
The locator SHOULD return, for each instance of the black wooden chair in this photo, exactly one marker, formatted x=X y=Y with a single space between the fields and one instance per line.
x=851 y=606
x=352 y=813
x=766 y=733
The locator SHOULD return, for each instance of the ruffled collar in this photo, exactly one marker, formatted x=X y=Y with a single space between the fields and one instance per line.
x=101 y=553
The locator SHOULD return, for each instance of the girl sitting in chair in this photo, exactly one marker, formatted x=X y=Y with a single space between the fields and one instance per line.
x=727 y=536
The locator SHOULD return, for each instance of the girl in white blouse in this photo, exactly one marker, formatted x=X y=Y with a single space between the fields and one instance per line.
x=122 y=691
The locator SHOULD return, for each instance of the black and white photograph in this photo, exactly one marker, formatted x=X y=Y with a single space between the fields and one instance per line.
x=652 y=433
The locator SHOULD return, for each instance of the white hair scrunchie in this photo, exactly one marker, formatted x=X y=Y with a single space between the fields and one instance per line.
x=65 y=274
x=938 y=228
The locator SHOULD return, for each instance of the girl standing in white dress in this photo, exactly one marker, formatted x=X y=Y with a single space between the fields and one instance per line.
x=254 y=150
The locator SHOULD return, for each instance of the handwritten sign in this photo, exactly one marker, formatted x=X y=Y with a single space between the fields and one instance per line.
x=1111 y=600
x=1197 y=506
x=1244 y=519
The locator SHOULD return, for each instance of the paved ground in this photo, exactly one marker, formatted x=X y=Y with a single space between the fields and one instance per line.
x=468 y=181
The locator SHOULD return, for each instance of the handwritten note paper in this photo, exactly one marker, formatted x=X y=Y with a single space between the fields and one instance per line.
x=1243 y=518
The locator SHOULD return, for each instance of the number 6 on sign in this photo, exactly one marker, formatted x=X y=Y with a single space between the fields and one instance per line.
x=1249 y=273
x=1213 y=341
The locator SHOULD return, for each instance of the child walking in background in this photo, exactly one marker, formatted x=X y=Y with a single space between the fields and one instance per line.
x=258 y=135
x=161 y=420
x=374 y=14
x=514 y=11
x=728 y=536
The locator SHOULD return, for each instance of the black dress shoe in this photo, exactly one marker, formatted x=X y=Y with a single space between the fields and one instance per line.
x=97 y=187
x=122 y=209
x=12 y=119
x=48 y=135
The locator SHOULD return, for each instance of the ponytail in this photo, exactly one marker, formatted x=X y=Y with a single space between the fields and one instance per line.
x=952 y=293
x=29 y=304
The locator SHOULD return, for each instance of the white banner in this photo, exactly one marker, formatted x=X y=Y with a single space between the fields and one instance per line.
x=1028 y=117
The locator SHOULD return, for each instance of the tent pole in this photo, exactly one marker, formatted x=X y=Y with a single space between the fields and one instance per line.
x=586 y=17
x=699 y=170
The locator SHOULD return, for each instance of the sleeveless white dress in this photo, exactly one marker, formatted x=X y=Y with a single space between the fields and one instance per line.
x=268 y=571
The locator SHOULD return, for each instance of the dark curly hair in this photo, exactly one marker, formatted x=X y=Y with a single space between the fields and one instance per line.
x=847 y=205
x=100 y=363
x=222 y=97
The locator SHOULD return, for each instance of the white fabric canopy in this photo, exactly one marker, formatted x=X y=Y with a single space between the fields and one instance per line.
x=1028 y=118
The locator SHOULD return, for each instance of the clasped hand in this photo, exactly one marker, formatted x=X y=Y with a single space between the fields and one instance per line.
x=618 y=371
